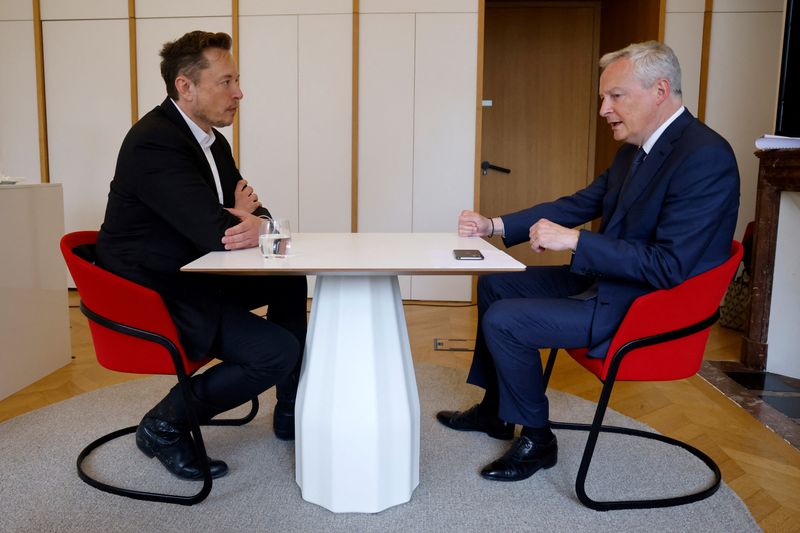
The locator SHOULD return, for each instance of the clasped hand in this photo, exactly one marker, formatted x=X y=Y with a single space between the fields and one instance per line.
x=245 y=233
x=546 y=235
x=245 y=197
x=472 y=224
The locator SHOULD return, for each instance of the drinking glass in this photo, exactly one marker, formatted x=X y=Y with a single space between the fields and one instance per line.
x=275 y=239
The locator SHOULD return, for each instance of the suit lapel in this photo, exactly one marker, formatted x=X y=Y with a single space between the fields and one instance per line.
x=172 y=113
x=649 y=169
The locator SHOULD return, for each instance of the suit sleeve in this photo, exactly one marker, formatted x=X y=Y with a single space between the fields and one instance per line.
x=569 y=211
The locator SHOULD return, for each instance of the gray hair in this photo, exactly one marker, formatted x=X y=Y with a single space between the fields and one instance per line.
x=651 y=61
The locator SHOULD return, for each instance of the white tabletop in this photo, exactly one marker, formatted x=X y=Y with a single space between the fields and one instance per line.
x=359 y=253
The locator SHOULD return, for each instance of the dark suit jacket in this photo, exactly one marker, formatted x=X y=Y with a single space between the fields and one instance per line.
x=674 y=220
x=163 y=212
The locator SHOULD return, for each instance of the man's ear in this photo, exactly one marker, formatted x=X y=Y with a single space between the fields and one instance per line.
x=185 y=88
x=663 y=90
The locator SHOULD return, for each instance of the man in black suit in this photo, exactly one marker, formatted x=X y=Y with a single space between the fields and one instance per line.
x=176 y=195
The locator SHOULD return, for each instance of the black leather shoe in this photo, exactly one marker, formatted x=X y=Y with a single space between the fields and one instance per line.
x=174 y=448
x=283 y=419
x=473 y=420
x=522 y=460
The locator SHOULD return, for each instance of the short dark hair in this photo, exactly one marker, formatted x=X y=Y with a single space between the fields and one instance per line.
x=184 y=57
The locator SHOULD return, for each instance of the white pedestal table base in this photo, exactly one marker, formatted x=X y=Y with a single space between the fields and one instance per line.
x=357 y=412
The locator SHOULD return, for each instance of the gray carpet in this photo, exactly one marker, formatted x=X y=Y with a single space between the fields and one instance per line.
x=40 y=490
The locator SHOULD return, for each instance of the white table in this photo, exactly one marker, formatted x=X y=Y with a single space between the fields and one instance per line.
x=357 y=411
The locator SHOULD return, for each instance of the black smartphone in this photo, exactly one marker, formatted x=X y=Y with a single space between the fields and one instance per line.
x=468 y=254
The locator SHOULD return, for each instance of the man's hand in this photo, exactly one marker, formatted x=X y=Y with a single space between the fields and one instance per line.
x=546 y=235
x=242 y=235
x=246 y=198
x=472 y=224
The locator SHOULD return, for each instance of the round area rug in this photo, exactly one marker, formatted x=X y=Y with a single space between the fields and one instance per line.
x=40 y=490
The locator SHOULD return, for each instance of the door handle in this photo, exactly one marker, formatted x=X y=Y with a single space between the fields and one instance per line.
x=486 y=167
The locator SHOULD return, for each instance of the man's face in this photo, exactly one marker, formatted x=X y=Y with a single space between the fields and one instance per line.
x=629 y=108
x=214 y=99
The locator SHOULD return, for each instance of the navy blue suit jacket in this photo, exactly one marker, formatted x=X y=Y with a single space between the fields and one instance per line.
x=675 y=220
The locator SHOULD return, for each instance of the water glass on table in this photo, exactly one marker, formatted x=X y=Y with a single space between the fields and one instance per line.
x=275 y=239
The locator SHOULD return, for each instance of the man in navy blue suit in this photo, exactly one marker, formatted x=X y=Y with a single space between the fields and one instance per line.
x=668 y=203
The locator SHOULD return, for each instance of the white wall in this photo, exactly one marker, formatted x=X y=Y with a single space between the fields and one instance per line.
x=417 y=112
x=683 y=32
x=151 y=34
x=88 y=97
x=268 y=116
x=783 y=336
x=743 y=74
x=19 y=131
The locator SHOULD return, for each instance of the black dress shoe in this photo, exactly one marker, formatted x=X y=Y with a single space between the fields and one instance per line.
x=283 y=419
x=522 y=460
x=473 y=420
x=174 y=448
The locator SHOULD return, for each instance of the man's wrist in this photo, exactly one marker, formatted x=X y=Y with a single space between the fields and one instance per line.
x=497 y=228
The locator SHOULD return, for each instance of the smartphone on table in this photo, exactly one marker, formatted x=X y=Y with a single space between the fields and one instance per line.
x=468 y=254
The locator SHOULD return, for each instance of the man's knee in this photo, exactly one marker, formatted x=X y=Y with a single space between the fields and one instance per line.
x=496 y=322
x=277 y=358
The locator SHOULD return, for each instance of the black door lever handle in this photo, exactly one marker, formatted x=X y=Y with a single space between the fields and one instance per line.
x=486 y=167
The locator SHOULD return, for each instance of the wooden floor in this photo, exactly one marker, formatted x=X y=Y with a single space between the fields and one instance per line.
x=756 y=463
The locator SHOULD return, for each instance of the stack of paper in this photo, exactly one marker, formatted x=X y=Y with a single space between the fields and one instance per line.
x=767 y=142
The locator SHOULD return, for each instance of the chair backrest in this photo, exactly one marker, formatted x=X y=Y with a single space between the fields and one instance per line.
x=661 y=311
x=124 y=302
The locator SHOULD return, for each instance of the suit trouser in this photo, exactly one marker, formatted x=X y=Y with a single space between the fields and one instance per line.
x=519 y=313
x=255 y=353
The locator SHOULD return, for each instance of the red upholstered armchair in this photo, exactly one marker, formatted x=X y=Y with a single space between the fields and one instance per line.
x=132 y=331
x=662 y=337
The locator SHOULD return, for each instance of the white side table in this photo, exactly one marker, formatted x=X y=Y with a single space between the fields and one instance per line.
x=34 y=314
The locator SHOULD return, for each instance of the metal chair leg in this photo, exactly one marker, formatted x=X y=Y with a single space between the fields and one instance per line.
x=597 y=427
x=551 y=361
x=200 y=449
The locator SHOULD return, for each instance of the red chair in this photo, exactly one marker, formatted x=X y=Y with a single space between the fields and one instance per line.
x=133 y=332
x=662 y=337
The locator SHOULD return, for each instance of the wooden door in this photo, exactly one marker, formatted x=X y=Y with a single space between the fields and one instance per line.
x=540 y=74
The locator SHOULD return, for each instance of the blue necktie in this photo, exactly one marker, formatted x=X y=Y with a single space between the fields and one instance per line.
x=591 y=292
x=637 y=161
